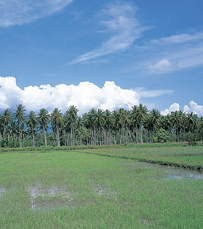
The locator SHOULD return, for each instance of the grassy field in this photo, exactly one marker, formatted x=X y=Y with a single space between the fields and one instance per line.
x=186 y=157
x=83 y=189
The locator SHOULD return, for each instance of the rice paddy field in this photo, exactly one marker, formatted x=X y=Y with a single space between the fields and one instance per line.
x=102 y=188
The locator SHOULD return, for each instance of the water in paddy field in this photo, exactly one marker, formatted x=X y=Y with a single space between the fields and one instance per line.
x=50 y=198
x=168 y=172
x=64 y=197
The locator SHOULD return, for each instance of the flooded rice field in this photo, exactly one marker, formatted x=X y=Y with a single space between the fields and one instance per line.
x=76 y=190
x=49 y=198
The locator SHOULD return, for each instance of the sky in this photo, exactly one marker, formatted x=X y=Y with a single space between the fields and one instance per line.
x=101 y=54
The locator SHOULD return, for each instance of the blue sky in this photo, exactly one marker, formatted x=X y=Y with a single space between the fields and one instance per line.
x=102 y=54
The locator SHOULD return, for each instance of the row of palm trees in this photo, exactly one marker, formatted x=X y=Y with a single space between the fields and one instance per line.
x=95 y=127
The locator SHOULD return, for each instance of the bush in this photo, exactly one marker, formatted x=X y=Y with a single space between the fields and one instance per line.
x=162 y=136
x=189 y=137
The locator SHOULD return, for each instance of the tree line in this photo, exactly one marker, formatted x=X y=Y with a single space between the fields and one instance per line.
x=96 y=127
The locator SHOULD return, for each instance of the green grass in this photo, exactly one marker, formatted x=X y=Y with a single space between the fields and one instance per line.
x=185 y=157
x=71 y=189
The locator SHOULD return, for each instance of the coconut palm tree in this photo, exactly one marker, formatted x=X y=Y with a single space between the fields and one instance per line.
x=20 y=117
x=32 y=124
x=43 y=119
x=13 y=130
x=175 y=121
x=1 y=128
x=126 y=119
x=148 y=124
x=155 y=114
x=6 y=119
x=100 y=121
x=91 y=121
x=56 y=122
x=142 y=111
x=107 y=124
x=71 y=117
x=135 y=120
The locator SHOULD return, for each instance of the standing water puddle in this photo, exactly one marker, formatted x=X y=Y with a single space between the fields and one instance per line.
x=47 y=198
x=168 y=172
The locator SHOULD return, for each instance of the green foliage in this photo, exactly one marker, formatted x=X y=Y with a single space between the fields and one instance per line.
x=189 y=137
x=97 y=127
x=162 y=136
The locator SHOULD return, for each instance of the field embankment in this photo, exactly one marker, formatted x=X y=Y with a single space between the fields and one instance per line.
x=189 y=157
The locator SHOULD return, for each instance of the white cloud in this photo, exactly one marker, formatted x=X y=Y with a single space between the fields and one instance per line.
x=121 y=23
x=18 y=12
x=152 y=93
x=174 y=53
x=85 y=96
x=194 y=107
x=173 y=107
x=162 y=66
x=177 y=39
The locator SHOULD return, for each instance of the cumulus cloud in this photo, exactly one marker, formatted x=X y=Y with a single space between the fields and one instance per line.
x=119 y=21
x=18 y=12
x=85 y=96
x=193 y=107
x=173 y=107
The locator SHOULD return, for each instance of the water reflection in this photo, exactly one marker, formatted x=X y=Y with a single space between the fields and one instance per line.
x=180 y=175
x=168 y=172
x=105 y=191
x=2 y=190
x=37 y=193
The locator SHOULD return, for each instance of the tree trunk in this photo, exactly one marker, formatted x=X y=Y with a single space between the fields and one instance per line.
x=20 y=142
x=57 y=135
x=94 y=136
x=141 y=133
x=71 y=134
x=45 y=136
x=33 y=138
x=8 y=141
x=136 y=134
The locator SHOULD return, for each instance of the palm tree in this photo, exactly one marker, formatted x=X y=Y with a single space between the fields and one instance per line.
x=1 y=127
x=126 y=119
x=182 y=117
x=56 y=121
x=142 y=111
x=100 y=121
x=91 y=119
x=148 y=123
x=135 y=120
x=107 y=124
x=12 y=130
x=155 y=114
x=43 y=119
x=70 y=117
x=81 y=130
x=20 y=117
x=175 y=121
x=200 y=128
x=32 y=123
x=6 y=119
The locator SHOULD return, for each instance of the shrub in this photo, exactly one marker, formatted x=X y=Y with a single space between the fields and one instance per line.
x=189 y=137
x=162 y=136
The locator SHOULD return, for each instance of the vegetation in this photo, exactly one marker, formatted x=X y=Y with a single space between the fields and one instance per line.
x=71 y=189
x=97 y=127
x=179 y=156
